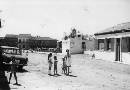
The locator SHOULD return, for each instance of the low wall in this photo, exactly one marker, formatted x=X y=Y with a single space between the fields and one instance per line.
x=126 y=57
x=109 y=56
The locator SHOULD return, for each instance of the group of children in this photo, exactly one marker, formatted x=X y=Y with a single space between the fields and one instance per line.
x=50 y=62
x=65 y=65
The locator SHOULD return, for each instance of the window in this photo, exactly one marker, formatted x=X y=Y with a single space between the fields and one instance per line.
x=23 y=46
x=19 y=40
x=79 y=35
x=83 y=45
x=23 y=40
x=19 y=46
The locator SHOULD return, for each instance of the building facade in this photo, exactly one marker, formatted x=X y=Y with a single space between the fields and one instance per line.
x=42 y=43
x=23 y=41
x=26 y=41
x=59 y=46
x=114 y=43
x=75 y=42
x=90 y=42
x=9 y=40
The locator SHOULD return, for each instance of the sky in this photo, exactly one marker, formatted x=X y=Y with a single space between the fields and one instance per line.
x=51 y=18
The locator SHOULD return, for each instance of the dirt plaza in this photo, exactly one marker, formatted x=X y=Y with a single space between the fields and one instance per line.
x=86 y=74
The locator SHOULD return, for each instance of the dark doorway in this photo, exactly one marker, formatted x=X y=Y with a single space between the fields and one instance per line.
x=108 y=44
x=83 y=46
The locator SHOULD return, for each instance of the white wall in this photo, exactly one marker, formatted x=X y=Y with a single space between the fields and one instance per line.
x=65 y=45
x=73 y=44
x=126 y=57
x=90 y=44
x=110 y=56
x=76 y=45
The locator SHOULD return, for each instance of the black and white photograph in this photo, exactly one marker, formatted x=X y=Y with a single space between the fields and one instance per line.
x=64 y=44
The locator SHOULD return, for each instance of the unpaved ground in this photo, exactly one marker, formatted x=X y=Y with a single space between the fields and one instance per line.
x=87 y=74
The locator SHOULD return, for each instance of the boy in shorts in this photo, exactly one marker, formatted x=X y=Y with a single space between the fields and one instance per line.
x=13 y=70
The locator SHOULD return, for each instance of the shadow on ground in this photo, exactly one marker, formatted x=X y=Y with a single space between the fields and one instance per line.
x=57 y=75
x=22 y=70
x=72 y=75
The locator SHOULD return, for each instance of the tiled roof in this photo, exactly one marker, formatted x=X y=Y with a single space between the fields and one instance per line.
x=118 y=27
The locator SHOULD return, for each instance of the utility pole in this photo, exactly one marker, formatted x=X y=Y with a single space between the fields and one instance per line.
x=0 y=19
x=0 y=23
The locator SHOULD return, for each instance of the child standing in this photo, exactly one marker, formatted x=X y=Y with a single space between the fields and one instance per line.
x=68 y=61
x=55 y=65
x=64 y=67
x=13 y=70
x=50 y=63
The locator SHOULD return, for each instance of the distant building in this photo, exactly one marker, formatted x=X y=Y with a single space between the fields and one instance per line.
x=75 y=42
x=10 y=40
x=90 y=42
x=42 y=43
x=59 y=46
x=2 y=41
x=26 y=41
x=23 y=41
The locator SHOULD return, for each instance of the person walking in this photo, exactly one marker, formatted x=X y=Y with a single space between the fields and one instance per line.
x=50 y=63
x=55 y=65
x=68 y=61
x=13 y=70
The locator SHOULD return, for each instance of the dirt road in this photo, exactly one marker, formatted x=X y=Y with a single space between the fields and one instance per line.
x=87 y=74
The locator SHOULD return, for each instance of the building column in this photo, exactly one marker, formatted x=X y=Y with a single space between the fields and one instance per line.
x=115 y=41
x=118 y=48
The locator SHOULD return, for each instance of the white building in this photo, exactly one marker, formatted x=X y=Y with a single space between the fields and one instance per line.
x=113 y=44
x=74 y=42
